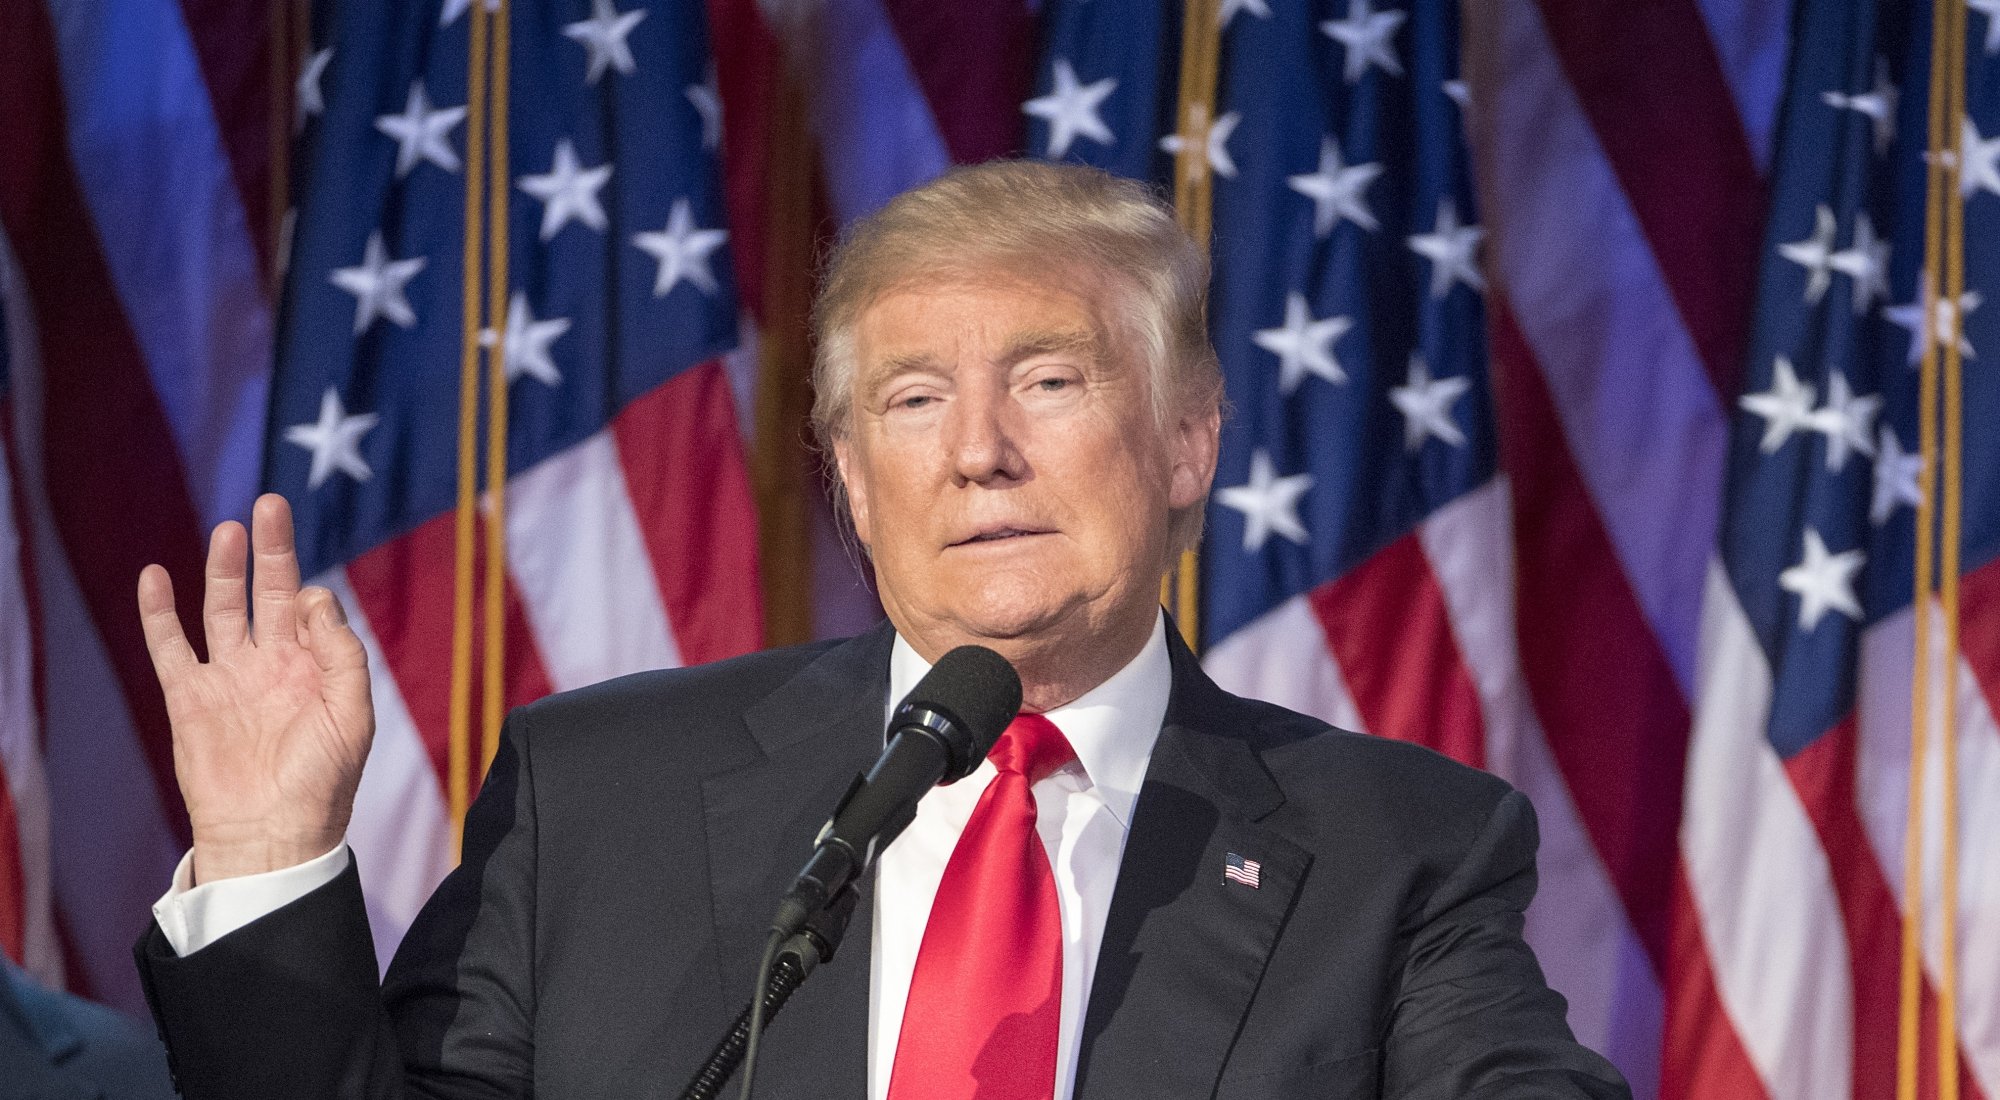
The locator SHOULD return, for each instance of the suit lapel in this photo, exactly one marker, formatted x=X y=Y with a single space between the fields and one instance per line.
x=817 y=732
x=1184 y=948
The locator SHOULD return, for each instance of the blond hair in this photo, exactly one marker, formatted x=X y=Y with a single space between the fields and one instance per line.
x=1006 y=216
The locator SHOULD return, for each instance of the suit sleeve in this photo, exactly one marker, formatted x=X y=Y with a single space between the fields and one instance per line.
x=1474 y=1017
x=289 y=1004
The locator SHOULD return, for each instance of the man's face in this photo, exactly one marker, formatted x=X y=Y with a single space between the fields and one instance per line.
x=1006 y=471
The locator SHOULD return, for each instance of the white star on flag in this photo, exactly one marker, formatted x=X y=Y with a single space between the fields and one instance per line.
x=1303 y=345
x=1815 y=253
x=1458 y=92
x=682 y=250
x=1943 y=323
x=1786 y=407
x=1337 y=191
x=1978 y=161
x=306 y=90
x=1896 y=474
x=1449 y=247
x=1366 y=33
x=1258 y=8
x=1426 y=403
x=377 y=285
x=455 y=8
x=422 y=132
x=603 y=34
x=334 y=440
x=568 y=191
x=1268 y=503
x=1070 y=109
x=1213 y=137
x=527 y=346
x=1991 y=10
x=1847 y=421
x=1878 y=104
x=1866 y=262
x=1823 y=581
x=707 y=100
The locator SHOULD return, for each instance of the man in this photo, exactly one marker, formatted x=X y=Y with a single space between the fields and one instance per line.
x=1153 y=889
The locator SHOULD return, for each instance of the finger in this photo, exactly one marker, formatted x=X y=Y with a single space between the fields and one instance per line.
x=224 y=612
x=275 y=582
x=165 y=639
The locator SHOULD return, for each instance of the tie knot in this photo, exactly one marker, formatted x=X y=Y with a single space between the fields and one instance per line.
x=1031 y=746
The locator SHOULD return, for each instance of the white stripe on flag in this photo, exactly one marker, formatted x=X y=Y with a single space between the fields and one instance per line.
x=1281 y=657
x=401 y=829
x=1883 y=713
x=1637 y=408
x=580 y=562
x=1578 y=924
x=141 y=126
x=1761 y=882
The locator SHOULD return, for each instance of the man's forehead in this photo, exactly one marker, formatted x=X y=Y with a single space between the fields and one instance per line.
x=927 y=326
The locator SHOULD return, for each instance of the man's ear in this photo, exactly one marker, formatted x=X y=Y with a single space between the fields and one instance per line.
x=856 y=489
x=1196 y=440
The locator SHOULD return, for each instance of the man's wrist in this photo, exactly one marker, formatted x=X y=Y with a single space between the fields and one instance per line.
x=215 y=860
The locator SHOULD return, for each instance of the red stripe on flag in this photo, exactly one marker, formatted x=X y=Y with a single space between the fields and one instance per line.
x=1979 y=628
x=1388 y=628
x=1823 y=774
x=690 y=493
x=1648 y=78
x=232 y=42
x=405 y=589
x=116 y=507
x=749 y=71
x=1606 y=695
x=975 y=62
x=1701 y=1055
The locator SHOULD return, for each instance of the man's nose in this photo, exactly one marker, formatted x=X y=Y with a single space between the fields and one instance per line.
x=984 y=443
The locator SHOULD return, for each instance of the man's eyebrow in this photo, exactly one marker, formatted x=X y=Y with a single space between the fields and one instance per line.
x=1051 y=341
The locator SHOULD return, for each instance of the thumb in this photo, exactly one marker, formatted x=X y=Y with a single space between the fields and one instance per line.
x=332 y=643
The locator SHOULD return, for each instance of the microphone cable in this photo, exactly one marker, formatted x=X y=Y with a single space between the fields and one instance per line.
x=764 y=965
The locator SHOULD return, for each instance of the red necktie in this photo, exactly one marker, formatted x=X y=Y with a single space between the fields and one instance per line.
x=986 y=996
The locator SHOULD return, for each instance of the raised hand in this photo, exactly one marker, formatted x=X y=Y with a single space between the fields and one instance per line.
x=270 y=734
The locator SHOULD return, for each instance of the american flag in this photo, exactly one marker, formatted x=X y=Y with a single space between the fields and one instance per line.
x=135 y=180
x=1573 y=571
x=1237 y=869
x=629 y=542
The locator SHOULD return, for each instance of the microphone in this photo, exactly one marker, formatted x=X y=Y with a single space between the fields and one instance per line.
x=938 y=735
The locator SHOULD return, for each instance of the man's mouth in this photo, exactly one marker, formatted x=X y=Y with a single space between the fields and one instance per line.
x=999 y=534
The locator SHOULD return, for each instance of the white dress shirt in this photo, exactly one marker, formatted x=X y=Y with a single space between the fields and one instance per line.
x=1083 y=811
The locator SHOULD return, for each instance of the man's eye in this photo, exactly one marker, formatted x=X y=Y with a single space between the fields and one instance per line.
x=1051 y=385
x=914 y=401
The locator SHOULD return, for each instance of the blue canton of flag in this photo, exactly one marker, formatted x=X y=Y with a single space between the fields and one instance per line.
x=1810 y=626
x=618 y=278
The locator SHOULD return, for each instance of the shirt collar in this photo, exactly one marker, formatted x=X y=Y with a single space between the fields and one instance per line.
x=1112 y=727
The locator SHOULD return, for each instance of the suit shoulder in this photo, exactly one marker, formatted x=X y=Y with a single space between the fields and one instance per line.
x=1390 y=780
x=669 y=697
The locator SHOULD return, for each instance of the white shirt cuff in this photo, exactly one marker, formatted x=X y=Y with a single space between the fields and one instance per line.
x=192 y=917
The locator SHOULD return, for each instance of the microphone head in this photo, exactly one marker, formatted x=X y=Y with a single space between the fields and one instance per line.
x=975 y=693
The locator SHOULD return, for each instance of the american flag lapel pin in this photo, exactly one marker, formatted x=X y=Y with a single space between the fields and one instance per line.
x=1239 y=870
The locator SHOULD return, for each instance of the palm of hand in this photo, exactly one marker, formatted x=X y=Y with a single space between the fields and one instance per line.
x=270 y=734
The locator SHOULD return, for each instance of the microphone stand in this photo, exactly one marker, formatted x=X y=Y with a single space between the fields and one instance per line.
x=797 y=959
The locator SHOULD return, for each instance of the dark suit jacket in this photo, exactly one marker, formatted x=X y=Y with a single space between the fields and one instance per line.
x=632 y=839
x=57 y=1047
